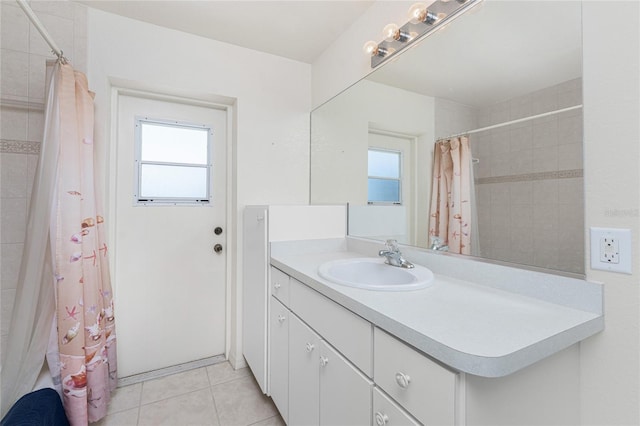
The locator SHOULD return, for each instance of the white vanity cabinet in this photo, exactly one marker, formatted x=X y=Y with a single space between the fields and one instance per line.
x=323 y=370
x=312 y=382
x=261 y=227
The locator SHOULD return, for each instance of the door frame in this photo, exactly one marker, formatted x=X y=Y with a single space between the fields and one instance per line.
x=120 y=88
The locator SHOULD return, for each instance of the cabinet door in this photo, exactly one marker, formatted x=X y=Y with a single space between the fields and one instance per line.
x=304 y=375
x=345 y=393
x=279 y=357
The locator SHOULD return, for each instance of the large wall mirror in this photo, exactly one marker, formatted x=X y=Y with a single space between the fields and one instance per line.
x=514 y=67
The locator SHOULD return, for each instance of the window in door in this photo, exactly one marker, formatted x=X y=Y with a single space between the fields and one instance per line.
x=384 y=177
x=173 y=162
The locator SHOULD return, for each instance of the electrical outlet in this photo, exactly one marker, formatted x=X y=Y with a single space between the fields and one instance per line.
x=611 y=249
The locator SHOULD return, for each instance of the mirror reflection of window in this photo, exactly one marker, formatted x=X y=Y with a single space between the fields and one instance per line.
x=385 y=175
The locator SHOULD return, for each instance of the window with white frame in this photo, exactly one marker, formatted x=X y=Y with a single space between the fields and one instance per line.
x=173 y=162
x=384 y=177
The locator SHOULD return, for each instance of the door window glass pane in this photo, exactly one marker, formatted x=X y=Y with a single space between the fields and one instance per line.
x=173 y=144
x=166 y=181
x=173 y=162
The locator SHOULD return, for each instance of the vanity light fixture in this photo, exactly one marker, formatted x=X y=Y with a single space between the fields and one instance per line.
x=372 y=48
x=392 y=32
x=423 y=20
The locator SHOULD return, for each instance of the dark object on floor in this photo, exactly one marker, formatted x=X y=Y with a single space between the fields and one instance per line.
x=39 y=408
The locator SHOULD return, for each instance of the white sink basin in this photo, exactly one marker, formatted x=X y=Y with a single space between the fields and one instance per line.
x=374 y=274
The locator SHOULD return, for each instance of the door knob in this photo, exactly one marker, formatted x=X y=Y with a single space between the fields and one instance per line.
x=217 y=248
x=217 y=231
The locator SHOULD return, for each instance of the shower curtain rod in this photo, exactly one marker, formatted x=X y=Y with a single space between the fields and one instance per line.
x=519 y=120
x=41 y=29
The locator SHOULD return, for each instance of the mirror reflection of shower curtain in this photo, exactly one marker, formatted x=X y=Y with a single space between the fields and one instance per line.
x=450 y=217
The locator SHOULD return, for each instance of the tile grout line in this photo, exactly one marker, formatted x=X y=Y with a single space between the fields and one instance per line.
x=213 y=399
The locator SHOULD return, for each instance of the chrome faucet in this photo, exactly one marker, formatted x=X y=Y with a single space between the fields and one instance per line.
x=437 y=245
x=393 y=255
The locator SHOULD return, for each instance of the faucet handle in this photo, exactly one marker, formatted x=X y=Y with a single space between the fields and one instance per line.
x=392 y=245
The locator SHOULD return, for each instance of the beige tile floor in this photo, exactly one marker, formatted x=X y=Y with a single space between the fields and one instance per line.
x=213 y=395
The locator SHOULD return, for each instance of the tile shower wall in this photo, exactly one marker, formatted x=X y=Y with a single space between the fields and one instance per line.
x=23 y=59
x=529 y=180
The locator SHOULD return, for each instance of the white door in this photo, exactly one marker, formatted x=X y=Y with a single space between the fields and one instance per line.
x=170 y=284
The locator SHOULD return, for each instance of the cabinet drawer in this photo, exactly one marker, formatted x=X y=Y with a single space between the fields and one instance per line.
x=280 y=285
x=388 y=413
x=424 y=388
x=347 y=332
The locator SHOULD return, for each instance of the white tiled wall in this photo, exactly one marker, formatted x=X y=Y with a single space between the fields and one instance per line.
x=529 y=180
x=23 y=59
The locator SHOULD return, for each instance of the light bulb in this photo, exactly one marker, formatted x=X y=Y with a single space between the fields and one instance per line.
x=389 y=32
x=370 y=47
x=417 y=12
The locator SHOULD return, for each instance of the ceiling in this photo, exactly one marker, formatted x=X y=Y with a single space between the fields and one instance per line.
x=295 y=29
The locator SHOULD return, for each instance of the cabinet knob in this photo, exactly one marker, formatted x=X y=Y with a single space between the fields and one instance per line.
x=281 y=318
x=310 y=347
x=277 y=285
x=381 y=419
x=403 y=380
x=324 y=361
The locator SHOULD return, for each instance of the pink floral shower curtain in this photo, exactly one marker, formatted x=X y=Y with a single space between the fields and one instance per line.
x=85 y=317
x=450 y=215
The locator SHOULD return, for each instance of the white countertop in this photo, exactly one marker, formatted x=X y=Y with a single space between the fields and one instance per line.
x=472 y=328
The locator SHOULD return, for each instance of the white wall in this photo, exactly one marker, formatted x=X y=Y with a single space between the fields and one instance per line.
x=609 y=362
x=270 y=96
